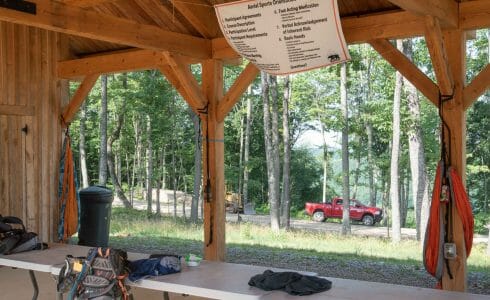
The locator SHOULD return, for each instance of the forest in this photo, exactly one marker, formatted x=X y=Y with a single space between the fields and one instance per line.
x=357 y=130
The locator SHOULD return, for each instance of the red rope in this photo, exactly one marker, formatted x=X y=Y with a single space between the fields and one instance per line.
x=463 y=208
x=432 y=246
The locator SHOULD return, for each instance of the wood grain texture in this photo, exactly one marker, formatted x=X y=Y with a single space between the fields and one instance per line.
x=437 y=50
x=29 y=160
x=477 y=87
x=454 y=114
x=214 y=208
x=233 y=95
x=81 y=93
x=68 y=19
x=444 y=10
x=474 y=14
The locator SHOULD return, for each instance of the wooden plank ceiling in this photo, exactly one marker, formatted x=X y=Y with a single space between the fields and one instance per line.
x=192 y=17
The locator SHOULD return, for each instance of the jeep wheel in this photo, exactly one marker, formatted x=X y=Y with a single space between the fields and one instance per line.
x=318 y=216
x=368 y=220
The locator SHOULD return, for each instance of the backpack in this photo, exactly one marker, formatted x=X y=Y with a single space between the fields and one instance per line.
x=99 y=276
x=14 y=238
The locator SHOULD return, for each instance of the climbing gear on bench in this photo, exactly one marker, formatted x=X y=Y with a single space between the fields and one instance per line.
x=14 y=238
x=99 y=276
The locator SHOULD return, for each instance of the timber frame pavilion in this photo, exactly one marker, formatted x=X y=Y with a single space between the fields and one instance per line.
x=81 y=39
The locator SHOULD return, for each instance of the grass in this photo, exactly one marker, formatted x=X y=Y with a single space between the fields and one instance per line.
x=134 y=229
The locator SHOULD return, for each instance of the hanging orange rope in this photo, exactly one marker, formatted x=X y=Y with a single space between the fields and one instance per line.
x=67 y=194
x=434 y=236
x=463 y=208
x=449 y=193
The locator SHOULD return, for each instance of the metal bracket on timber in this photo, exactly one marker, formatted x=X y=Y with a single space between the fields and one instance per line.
x=477 y=87
x=78 y=98
x=435 y=44
x=236 y=91
x=403 y=65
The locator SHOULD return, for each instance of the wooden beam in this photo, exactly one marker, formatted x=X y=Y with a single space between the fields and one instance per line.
x=187 y=81
x=16 y=110
x=222 y=50
x=389 y=25
x=125 y=61
x=213 y=164
x=478 y=86
x=445 y=10
x=247 y=76
x=435 y=44
x=401 y=63
x=76 y=101
x=201 y=16
x=474 y=14
x=455 y=117
x=86 y=3
x=77 y=21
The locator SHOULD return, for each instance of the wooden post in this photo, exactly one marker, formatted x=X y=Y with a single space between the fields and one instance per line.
x=213 y=163
x=454 y=115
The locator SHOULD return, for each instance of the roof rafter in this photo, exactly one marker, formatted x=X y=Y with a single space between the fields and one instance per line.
x=236 y=91
x=78 y=98
x=201 y=15
x=435 y=44
x=403 y=65
x=477 y=87
x=73 y=20
x=445 y=10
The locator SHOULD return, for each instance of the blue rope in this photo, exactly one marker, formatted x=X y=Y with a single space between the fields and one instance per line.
x=88 y=263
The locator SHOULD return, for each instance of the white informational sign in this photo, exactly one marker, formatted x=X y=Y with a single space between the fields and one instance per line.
x=284 y=36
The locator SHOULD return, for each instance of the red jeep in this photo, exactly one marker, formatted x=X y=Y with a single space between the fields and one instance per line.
x=358 y=211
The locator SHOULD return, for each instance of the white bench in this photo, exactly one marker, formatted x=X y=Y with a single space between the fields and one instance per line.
x=220 y=280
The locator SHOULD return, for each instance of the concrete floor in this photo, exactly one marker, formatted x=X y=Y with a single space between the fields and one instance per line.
x=15 y=284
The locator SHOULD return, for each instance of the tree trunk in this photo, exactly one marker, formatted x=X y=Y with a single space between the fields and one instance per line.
x=103 y=133
x=197 y=167
x=372 y=189
x=286 y=198
x=404 y=199
x=164 y=173
x=275 y=148
x=345 y=151
x=149 y=166
x=136 y=158
x=357 y=172
x=325 y=164
x=420 y=188
x=158 y=183
x=83 y=154
x=269 y=153
x=110 y=158
x=395 y=157
x=240 y=159
x=246 y=147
